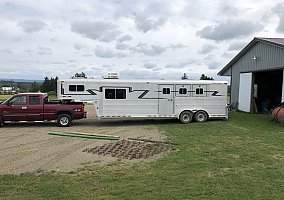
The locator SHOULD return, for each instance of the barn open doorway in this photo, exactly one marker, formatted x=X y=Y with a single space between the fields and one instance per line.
x=269 y=89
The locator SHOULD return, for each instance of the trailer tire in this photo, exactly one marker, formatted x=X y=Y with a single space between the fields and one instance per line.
x=200 y=116
x=64 y=120
x=185 y=117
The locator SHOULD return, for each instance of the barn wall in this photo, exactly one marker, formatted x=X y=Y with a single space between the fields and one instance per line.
x=268 y=57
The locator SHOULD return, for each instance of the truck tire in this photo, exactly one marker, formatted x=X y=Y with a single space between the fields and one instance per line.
x=1 y=123
x=185 y=117
x=200 y=116
x=64 y=120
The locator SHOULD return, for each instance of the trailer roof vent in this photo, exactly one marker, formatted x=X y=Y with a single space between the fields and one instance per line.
x=111 y=75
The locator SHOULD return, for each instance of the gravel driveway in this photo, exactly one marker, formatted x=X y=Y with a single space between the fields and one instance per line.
x=27 y=147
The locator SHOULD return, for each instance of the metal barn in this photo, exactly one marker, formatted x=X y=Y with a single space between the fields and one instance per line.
x=257 y=75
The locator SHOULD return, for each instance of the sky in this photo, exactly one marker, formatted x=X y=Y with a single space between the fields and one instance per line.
x=139 y=39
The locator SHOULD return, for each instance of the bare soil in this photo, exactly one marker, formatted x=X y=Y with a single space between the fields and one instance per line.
x=27 y=147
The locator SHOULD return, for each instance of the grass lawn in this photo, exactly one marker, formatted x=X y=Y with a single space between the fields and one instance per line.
x=242 y=158
x=3 y=97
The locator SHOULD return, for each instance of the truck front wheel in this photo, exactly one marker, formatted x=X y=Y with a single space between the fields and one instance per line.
x=64 y=120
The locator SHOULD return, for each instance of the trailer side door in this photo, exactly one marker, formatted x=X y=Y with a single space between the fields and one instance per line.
x=166 y=99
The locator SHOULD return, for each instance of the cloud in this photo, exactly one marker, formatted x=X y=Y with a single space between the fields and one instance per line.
x=78 y=46
x=146 y=24
x=213 y=65
x=279 y=10
x=32 y=25
x=177 y=46
x=124 y=38
x=180 y=65
x=149 y=50
x=122 y=46
x=229 y=30
x=108 y=53
x=96 y=30
x=207 y=48
x=236 y=46
x=44 y=51
x=149 y=65
x=6 y=51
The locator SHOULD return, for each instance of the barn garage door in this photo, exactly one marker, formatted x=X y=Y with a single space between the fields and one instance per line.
x=245 y=91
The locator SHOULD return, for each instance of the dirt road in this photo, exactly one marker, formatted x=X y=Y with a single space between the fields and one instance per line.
x=28 y=147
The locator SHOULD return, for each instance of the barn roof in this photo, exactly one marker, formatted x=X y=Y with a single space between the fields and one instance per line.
x=271 y=41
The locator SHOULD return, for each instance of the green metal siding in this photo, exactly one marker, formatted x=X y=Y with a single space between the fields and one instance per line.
x=268 y=57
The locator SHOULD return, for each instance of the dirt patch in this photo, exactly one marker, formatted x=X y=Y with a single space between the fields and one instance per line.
x=129 y=149
x=28 y=147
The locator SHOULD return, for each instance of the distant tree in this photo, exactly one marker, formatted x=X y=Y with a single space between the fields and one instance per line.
x=79 y=75
x=49 y=85
x=204 y=77
x=184 y=76
x=46 y=85
x=35 y=87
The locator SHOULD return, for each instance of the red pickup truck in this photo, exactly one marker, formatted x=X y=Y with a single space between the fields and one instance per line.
x=37 y=107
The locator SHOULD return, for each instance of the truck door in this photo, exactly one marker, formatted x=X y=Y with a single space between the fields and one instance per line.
x=35 y=108
x=16 y=109
x=166 y=100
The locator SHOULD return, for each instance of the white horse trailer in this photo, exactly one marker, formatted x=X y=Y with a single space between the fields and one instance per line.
x=182 y=99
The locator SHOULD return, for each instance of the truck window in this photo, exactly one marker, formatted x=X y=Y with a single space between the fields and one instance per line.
x=34 y=100
x=19 y=100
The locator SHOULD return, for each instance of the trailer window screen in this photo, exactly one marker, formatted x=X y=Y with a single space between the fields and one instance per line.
x=80 y=88
x=199 y=91
x=182 y=91
x=115 y=93
x=110 y=93
x=166 y=90
x=76 y=88
x=72 y=88
x=120 y=93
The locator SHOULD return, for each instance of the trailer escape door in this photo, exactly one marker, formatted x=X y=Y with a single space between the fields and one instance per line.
x=166 y=99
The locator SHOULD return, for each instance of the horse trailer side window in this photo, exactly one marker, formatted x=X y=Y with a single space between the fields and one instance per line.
x=110 y=93
x=115 y=93
x=120 y=93
x=182 y=91
x=199 y=91
x=72 y=88
x=80 y=88
x=166 y=90
x=76 y=88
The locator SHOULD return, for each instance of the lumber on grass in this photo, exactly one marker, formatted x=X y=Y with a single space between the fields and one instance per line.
x=91 y=134
x=84 y=136
x=153 y=141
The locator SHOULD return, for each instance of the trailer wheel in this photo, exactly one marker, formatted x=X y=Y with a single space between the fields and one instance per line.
x=200 y=116
x=64 y=120
x=185 y=117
